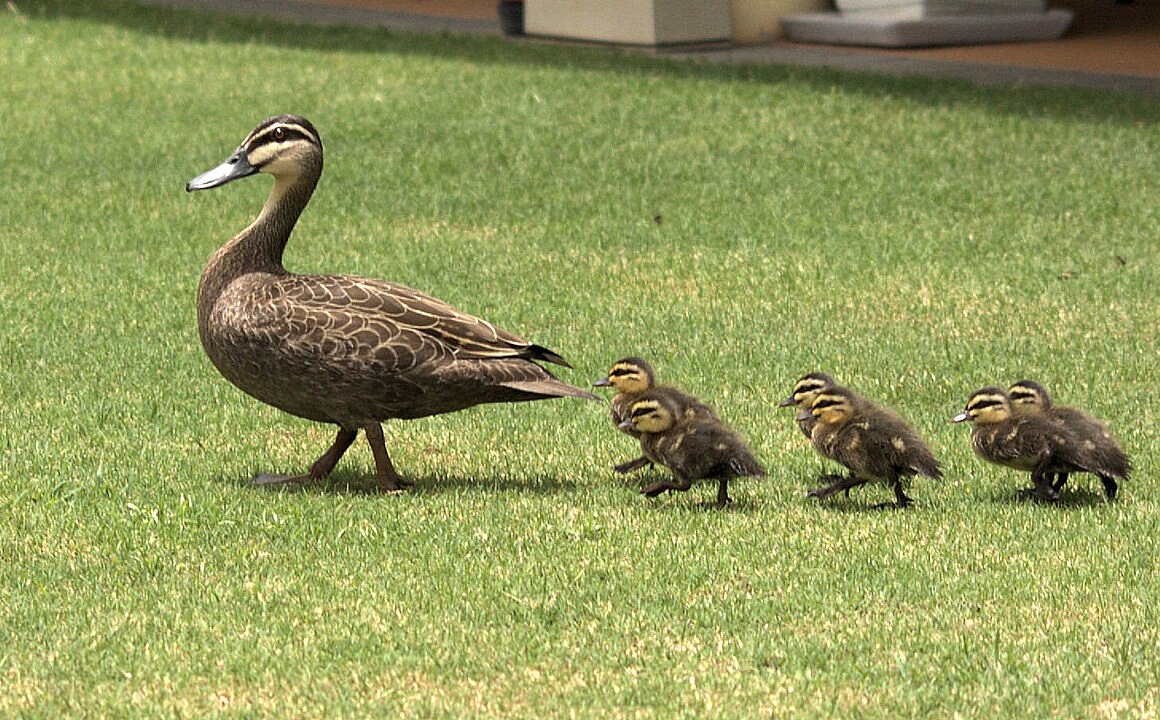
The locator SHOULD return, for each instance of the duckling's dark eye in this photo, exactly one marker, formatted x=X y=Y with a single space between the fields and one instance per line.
x=279 y=134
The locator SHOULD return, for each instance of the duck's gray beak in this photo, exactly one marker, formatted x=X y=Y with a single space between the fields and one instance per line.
x=803 y=415
x=787 y=402
x=602 y=382
x=961 y=417
x=236 y=166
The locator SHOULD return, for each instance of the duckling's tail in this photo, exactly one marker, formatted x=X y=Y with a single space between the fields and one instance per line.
x=926 y=465
x=745 y=465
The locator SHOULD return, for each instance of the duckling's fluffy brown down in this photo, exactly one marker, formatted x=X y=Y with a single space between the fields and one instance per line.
x=692 y=445
x=632 y=377
x=873 y=443
x=1029 y=442
x=1094 y=443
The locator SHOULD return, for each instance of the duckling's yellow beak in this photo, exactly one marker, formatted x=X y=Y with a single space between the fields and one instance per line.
x=961 y=417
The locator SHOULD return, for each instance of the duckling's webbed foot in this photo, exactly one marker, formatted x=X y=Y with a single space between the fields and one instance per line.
x=321 y=468
x=1043 y=490
x=666 y=485
x=631 y=465
x=389 y=480
x=843 y=484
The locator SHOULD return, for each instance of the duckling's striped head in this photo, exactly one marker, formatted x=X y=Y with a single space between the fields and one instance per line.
x=833 y=406
x=1028 y=396
x=653 y=413
x=987 y=405
x=808 y=387
x=284 y=145
x=631 y=375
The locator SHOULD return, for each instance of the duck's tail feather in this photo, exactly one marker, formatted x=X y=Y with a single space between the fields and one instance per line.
x=539 y=352
x=550 y=387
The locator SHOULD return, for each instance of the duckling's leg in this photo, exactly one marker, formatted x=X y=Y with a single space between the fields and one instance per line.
x=903 y=500
x=661 y=486
x=389 y=480
x=321 y=467
x=1110 y=486
x=723 y=493
x=635 y=464
x=844 y=483
x=1043 y=489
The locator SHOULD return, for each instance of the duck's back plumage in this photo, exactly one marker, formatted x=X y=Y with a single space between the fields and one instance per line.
x=351 y=350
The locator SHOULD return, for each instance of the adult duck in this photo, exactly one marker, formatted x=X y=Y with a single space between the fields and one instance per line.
x=340 y=349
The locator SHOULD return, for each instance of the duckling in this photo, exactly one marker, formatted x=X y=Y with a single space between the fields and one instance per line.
x=1029 y=442
x=631 y=377
x=808 y=387
x=873 y=443
x=693 y=445
x=339 y=349
x=1096 y=444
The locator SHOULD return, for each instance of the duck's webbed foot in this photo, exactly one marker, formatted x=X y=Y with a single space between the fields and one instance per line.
x=631 y=465
x=321 y=468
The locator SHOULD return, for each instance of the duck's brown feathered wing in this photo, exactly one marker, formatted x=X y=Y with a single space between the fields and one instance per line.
x=348 y=349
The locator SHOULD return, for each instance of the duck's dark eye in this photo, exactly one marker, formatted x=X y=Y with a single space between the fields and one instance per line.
x=279 y=134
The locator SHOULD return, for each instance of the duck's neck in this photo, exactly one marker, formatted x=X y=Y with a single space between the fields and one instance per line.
x=259 y=247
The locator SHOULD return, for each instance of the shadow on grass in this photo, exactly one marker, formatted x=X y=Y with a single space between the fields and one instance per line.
x=194 y=25
x=345 y=482
x=702 y=497
x=870 y=497
x=860 y=506
x=1068 y=498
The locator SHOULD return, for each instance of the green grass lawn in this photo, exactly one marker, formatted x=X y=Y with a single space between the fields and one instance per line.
x=737 y=225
